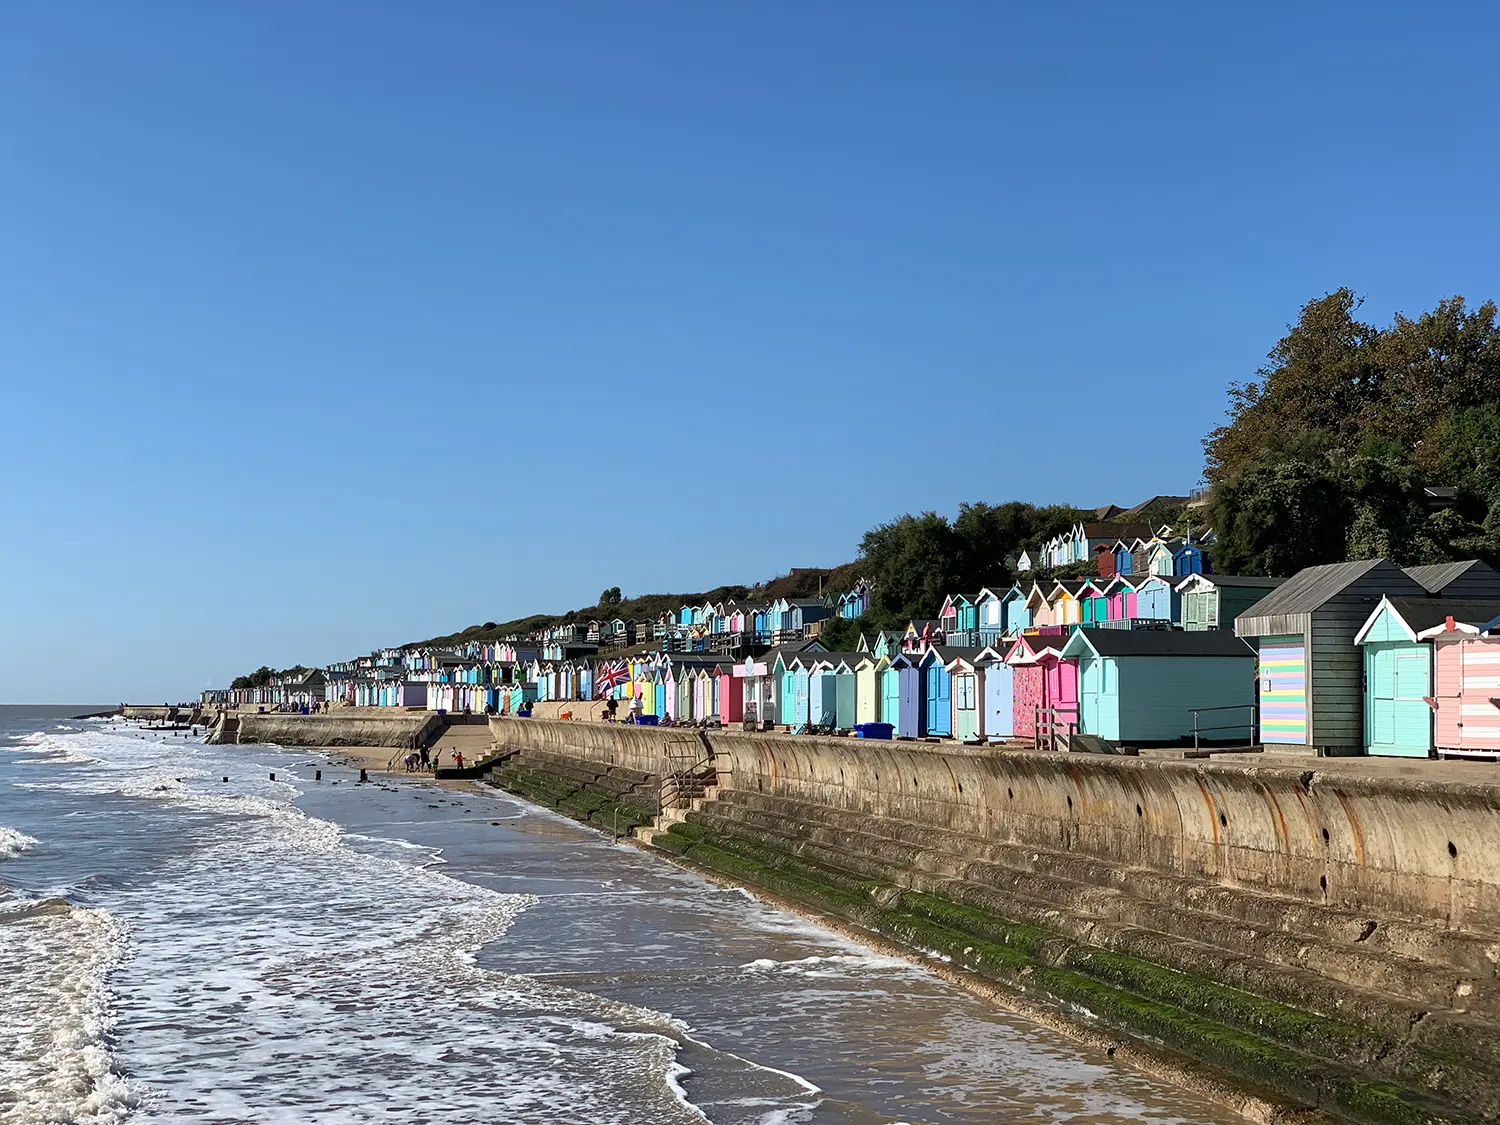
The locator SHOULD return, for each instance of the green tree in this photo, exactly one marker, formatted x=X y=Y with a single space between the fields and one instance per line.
x=1311 y=397
x=913 y=562
x=841 y=634
x=612 y=596
x=1276 y=519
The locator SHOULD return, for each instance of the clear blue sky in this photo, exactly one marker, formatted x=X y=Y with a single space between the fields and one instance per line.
x=327 y=325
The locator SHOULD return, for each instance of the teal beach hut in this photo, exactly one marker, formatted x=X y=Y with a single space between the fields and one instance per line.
x=1398 y=669
x=1140 y=687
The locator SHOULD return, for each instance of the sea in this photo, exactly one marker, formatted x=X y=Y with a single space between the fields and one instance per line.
x=194 y=933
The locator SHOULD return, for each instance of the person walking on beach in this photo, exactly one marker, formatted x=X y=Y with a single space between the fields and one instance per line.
x=426 y=756
x=458 y=759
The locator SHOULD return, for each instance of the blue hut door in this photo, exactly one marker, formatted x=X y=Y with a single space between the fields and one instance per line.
x=999 y=704
x=911 y=702
x=890 y=696
x=1089 y=687
x=939 y=701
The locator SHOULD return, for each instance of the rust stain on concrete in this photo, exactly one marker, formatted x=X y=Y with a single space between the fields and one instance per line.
x=1213 y=816
x=1283 y=836
x=1356 y=831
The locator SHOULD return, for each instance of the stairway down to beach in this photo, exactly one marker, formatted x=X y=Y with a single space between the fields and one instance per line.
x=227 y=731
x=1373 y=1021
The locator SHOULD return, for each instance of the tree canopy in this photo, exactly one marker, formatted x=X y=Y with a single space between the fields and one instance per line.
x=914 y=562
x=1329 y=451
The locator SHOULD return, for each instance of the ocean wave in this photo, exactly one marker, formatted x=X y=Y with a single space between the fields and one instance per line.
x=828 y=964
x=14 y=842
x=55 y=1015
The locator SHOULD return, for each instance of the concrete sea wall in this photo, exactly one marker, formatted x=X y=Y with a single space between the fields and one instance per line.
x=1385 y=844
x=1328 y=937
x=366 y=728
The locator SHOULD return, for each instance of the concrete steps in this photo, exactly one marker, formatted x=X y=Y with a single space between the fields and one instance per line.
x=1137 y=971
x=1402 y=998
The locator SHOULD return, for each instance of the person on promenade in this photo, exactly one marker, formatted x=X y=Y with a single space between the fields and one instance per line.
x=635 y=708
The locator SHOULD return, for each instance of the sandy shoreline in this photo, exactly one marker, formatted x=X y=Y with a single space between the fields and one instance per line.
x=377 y=759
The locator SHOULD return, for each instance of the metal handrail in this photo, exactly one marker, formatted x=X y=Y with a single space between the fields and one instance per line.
x=682 y=768
x=1251 y=725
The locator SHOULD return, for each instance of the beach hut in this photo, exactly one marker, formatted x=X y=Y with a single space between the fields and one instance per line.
x=967 y=679
x=1213 y=601
x=937 y=691
x=1029 y=656
x=1399 y=655
x=937 y=685
x=901 y=696
x=1119 y=597
x=831 y=688
x=756 y=695
x=731 y=694
x=1038 y=608
x=1124 y=560
x=1063 y=598
x=1157 y=599
x=1311 y=672
x=1017 y=615
x=794 y=690
x=1093 y=602
x=846 y=692
x=1104 y=560
x=1140 y=687
x=1470 y=580
x=989 y=612
x=821 y=696
x=997 y=716
x=1466 y=671
x=959 y=620
x=867 y=670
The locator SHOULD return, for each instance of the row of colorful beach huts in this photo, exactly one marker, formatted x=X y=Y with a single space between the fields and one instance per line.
x=1357 y=657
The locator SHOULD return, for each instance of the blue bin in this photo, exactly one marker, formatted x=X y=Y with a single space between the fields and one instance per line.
x=875 y=730
x=646 y=720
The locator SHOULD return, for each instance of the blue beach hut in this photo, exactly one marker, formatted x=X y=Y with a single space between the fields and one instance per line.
x=998 y=717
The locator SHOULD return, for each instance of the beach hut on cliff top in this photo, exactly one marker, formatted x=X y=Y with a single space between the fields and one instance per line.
x=1311 y=672
x=1213 y=601
x=1399 y=645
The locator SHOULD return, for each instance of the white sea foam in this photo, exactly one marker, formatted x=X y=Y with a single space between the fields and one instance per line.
x=827 y=965
x=14 y=842
x=55 y=1015
x=327 y=971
